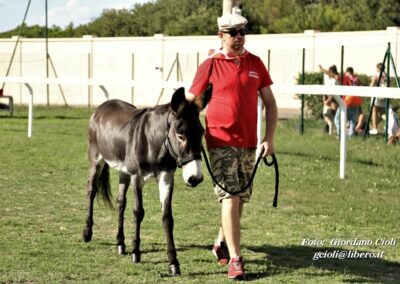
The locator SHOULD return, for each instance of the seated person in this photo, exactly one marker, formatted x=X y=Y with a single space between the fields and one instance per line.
x=328 y=112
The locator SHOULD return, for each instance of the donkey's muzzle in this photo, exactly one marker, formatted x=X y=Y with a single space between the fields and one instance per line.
x=194 y=181
x=192 y=174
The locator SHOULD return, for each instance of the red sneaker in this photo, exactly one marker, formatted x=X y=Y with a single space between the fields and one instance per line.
x=236 y=269
x=221 y=253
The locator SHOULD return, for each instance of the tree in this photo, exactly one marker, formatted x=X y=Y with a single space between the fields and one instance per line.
x=388 y=13
x=199 y=17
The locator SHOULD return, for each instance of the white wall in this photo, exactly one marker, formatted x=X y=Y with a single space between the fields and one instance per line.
x=137 y=58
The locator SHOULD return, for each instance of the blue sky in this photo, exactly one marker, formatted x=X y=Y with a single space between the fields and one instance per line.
x=60 y=12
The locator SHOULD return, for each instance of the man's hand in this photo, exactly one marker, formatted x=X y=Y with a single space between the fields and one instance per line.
x=266 y=148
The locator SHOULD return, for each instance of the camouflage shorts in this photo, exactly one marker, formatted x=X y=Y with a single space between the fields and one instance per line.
x=232 y=168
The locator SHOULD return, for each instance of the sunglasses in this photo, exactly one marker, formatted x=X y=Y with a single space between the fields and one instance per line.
x=234 y=33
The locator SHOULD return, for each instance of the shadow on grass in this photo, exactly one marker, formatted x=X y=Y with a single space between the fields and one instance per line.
x=150 y=247
x=326 y=158
x=13 y=130
x=288 y=259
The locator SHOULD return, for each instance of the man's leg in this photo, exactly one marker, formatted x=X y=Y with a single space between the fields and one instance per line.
x=221 y=235
x=228 y=165
x=230 y=216
x=352 y=114
x=374 y=118
x=360 y=123
x=337 y=121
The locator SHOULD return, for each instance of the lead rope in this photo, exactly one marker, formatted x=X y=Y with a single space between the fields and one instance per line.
x=169 y=147
x=269 y=164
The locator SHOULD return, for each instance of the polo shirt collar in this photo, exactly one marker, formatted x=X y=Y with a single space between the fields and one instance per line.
x=221 y=54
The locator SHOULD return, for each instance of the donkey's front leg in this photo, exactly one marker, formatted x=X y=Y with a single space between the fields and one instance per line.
x=124 y=181
x=138 y=215
x=166 y=187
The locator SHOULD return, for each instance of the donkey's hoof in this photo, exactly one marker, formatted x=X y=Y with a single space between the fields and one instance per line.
x=121 y=249
x=87 y=235
x=174 y=270
x=135 y=257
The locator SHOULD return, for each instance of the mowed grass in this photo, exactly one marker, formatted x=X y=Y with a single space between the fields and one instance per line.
x=43 y=209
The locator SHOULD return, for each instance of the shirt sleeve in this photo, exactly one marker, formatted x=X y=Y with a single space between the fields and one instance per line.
x=346 y=81
x=265 y=78
x=201 y=78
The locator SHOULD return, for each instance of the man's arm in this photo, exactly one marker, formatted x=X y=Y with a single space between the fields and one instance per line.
x=373 y=82
x=271 y=120
x=196 y=99
x=200 y=83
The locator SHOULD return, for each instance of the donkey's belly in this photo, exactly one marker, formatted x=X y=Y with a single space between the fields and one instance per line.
x=118 y=165
x=121 y=166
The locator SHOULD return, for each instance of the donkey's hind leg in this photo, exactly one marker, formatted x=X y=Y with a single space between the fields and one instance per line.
x=138 y=215
x=124 y=181
x=95 y=169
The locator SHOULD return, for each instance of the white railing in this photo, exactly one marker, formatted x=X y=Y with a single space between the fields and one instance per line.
x=336 y=91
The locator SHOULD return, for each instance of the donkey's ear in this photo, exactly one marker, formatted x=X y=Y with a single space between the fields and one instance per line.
x=178 y=100
x=206 y=95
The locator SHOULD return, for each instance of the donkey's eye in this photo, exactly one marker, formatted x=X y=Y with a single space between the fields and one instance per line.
x=180 y=137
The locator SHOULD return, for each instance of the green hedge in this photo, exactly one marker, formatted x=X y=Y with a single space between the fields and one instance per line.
x=314 y=103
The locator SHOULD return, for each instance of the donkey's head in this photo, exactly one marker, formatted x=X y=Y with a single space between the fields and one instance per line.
x=185 y=135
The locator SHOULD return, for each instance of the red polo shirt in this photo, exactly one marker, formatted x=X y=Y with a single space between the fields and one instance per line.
x=231 y=117
x=351 y=101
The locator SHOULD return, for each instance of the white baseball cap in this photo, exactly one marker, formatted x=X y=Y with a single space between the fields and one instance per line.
x=231 y=21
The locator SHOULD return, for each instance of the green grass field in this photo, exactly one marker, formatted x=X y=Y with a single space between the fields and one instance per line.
x=43 y=208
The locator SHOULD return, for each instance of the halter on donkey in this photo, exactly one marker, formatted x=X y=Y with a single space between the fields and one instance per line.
x=141 y=144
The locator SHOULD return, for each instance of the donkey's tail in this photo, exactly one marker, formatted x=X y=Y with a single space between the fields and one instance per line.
x=104 y=187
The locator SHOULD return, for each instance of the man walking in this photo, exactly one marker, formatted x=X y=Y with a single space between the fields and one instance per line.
x=238 y=78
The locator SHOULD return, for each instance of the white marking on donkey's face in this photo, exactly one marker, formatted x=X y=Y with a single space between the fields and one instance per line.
x=192 y=173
